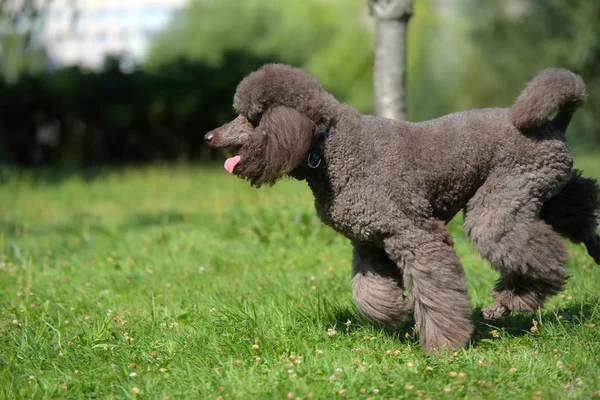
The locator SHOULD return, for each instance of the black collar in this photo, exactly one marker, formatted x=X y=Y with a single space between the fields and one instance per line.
x=316 y=154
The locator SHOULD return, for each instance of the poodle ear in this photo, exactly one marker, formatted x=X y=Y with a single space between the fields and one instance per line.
x=280 y=143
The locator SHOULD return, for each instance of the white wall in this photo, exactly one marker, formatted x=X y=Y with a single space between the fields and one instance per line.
x=83 y=32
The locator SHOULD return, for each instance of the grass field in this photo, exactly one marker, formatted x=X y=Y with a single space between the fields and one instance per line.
x=183 y=282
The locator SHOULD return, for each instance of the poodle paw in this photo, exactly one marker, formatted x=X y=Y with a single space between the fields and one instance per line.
x=495 y=311
x=434 y=340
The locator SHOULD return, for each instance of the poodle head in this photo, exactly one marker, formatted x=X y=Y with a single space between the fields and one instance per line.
x=281 y=112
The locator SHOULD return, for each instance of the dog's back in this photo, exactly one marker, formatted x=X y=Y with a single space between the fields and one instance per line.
x=452 y=156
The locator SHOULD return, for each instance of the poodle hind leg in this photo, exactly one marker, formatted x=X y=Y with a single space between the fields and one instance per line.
x=574 y=213
x=515 y=292
x=437 y=285
x=502 y=221
x=377 y=286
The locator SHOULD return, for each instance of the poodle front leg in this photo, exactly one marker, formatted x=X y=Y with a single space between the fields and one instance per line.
x=377 y=286
x=437 y=286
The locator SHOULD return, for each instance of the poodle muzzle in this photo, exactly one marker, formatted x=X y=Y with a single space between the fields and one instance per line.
x=231 y=134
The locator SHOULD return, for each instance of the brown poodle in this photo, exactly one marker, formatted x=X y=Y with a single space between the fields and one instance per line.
x=391 y=186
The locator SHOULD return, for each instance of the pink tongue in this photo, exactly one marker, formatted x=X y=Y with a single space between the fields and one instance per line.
x=230 y=163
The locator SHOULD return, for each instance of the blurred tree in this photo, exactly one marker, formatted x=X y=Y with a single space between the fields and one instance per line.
x=332 y=39
x=20 y=49
x=391 y=18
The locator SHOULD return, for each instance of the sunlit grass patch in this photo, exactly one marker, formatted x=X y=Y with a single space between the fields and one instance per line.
x=184 y=282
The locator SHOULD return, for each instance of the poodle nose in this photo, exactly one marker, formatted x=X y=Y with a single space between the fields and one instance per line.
x=208 y=138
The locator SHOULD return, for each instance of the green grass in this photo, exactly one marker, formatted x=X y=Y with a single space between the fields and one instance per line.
x=184 y=282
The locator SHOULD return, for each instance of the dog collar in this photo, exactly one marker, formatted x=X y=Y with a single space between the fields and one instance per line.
x=316 y=154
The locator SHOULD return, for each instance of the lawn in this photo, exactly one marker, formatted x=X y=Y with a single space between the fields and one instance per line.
x=183 y=282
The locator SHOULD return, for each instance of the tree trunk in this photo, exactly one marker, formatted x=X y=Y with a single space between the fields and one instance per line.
x=391 y=18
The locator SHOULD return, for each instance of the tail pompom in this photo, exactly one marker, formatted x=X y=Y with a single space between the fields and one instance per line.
x=550 y=90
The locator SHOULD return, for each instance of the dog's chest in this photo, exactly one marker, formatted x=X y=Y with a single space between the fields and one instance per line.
x=350 y=215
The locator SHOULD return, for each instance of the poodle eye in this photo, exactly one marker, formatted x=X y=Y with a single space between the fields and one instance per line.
x=254 y=120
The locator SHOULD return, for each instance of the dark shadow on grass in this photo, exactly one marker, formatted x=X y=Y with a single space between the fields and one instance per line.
x=52 y=175
x=514 y=325
x=86 y=226
x=520 y=324
x=57 y=174
x=340 y=316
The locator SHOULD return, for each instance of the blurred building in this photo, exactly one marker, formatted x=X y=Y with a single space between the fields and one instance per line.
x=85 y=32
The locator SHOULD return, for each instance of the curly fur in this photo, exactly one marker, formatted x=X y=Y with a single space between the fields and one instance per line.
x=377 y=286
x=390 y=187
x=267 y=157
x=553 y=89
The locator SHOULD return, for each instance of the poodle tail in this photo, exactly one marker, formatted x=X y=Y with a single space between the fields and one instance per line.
x=551 y=89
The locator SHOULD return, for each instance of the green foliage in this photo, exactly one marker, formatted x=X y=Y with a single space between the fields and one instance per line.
x=16 y=60
x=20 y=54
x=333 y=39
x=161 y=281
x=471 y=55
x=508 y=42
x=429 y=94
